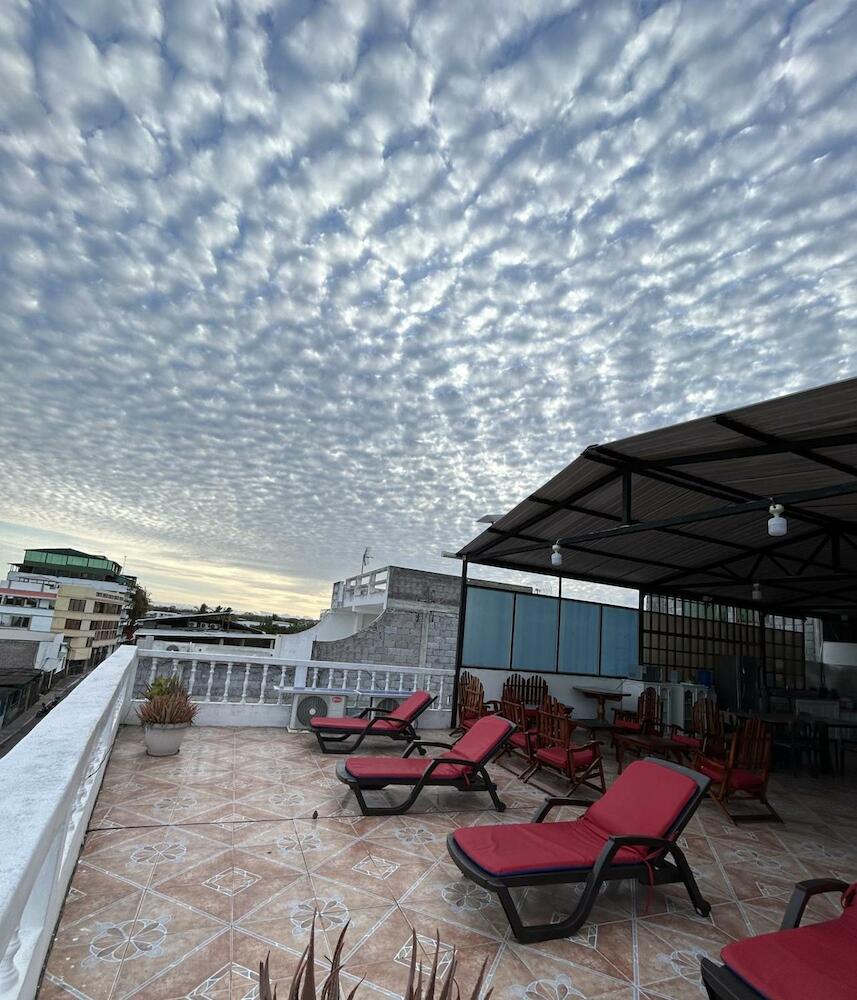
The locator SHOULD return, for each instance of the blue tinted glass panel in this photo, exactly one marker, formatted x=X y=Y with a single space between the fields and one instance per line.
x=620 y=653
x=534 y=646
x=487 y=628
x=578 y=638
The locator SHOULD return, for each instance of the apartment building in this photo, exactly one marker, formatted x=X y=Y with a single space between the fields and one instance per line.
x=82 y=596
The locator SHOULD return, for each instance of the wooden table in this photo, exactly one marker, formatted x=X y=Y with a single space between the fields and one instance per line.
x=601 y=696
x=655 y=746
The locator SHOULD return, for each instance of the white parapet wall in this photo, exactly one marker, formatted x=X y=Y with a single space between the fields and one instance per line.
x=233 y=689
x=49 y=783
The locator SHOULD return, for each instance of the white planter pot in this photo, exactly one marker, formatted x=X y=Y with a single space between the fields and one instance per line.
x=163 y=741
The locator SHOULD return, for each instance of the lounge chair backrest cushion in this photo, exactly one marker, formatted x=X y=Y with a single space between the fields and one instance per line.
x=481 y=740
x=646 y=798
x=411 y=706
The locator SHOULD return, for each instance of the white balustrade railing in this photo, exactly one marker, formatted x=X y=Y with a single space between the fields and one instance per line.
x=236 y=679
x=370 y=584
x=49 y=784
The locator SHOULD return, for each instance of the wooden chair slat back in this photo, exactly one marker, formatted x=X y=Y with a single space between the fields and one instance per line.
x=530 y=690
x=554 y=725
x=513 y=710
x=751 y=746
x=649 y=707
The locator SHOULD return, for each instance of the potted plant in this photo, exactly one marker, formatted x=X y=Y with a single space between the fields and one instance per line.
x=166 y=714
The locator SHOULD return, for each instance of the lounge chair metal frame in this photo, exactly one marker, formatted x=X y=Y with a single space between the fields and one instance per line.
x=656 y=871
x=478 y=780
x=722 y=984
x=406 y=732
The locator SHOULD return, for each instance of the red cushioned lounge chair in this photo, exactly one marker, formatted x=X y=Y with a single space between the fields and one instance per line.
x=462 y=767
x=397 y=724
x=817 y=962
x=630 y=832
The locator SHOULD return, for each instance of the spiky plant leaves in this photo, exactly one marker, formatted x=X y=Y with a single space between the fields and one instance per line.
x=265 y=992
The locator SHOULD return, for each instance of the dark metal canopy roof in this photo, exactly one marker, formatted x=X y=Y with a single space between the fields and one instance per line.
x=684 y=510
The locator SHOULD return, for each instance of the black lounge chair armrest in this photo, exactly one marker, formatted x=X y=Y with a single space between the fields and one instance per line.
x=435 y=762
x=416 y=744
x=554 y=801
x=374 y=708
x=615 y=844
x=370 y=729
x=801 y=895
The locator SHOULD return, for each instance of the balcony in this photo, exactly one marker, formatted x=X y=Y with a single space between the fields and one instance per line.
x=173 y=877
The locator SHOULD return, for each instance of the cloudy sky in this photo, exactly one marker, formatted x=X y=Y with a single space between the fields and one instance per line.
x=280 y=280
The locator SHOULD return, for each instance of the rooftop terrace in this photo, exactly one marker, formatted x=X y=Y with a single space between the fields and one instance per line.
x=194 y=867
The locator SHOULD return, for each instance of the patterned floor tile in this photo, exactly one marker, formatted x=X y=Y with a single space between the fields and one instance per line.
x=196 y=866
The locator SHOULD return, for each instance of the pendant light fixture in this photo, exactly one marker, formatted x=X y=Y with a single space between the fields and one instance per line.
x=777 y=524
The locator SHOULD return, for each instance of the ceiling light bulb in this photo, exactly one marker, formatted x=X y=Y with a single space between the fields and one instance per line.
x=757 y=591
x=556 y=555
x=777 y=524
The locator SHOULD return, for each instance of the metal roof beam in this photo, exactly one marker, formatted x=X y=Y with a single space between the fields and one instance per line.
x=753 y=451
x=793 y=447
x=731 y=510
x=557 y=506
x=720 y=563
x=539 y=544
x=698 y=484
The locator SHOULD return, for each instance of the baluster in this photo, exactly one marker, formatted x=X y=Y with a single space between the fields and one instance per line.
x=246 y=682
x=282 y=684
x=176 y=670
x=8 y=972
x=192 y=680
x=315 y=677
x=264 y=683
x=210 y=680
x=152 y=671
x=228 y=680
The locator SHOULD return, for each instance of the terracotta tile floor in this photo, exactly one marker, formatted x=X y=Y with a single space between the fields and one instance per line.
x=196 y=866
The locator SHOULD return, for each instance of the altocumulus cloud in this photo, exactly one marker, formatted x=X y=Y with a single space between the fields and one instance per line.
x=279 y=280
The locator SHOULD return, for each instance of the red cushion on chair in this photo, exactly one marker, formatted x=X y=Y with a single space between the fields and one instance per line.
x=557 y=757
x=632 y=727
x=400 y=768
x=647 y=798
x=687 y=741
x=818 y=960
x=478 y=744
x=524 y=848
x=405 y=713
x=412 y=706
x=519 y=740
x=739 y=780
x=350 y=724
x=482 y=739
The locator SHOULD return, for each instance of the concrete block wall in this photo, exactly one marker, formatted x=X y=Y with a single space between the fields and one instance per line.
x=418 y=628
x=414 y=585
x=394 y=637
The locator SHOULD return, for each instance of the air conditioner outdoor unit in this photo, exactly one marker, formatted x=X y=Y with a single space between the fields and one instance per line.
x=306 y=706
